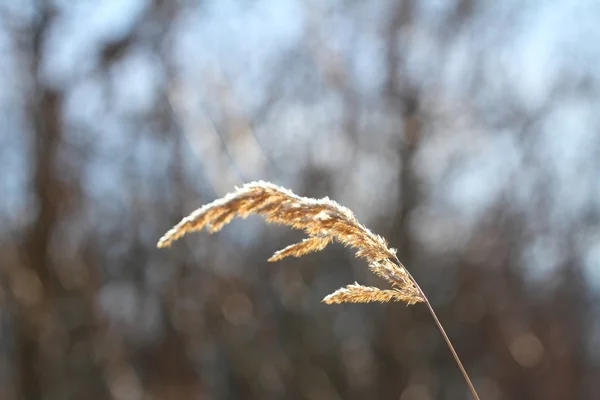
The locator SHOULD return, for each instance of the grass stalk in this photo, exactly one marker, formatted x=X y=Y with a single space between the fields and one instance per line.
x=446 y=338
x=324 y=221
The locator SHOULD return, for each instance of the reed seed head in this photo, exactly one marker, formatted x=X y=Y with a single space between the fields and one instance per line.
x=323 y=220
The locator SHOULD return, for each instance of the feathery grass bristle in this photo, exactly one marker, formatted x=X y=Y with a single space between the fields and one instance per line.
x=323 y=220
x=356 y=293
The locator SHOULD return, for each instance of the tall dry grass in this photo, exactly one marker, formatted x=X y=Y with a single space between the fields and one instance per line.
x=324 y=221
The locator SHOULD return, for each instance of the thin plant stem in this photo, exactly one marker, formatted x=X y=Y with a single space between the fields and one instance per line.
x=443 y=332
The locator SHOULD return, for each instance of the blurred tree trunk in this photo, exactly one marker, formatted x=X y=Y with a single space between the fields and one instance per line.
x=404 y=98
x=44 y=110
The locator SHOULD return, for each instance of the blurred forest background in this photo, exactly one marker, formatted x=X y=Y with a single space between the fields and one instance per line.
x=465 y=132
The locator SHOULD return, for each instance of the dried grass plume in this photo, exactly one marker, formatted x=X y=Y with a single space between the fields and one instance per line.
x=323 y=220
